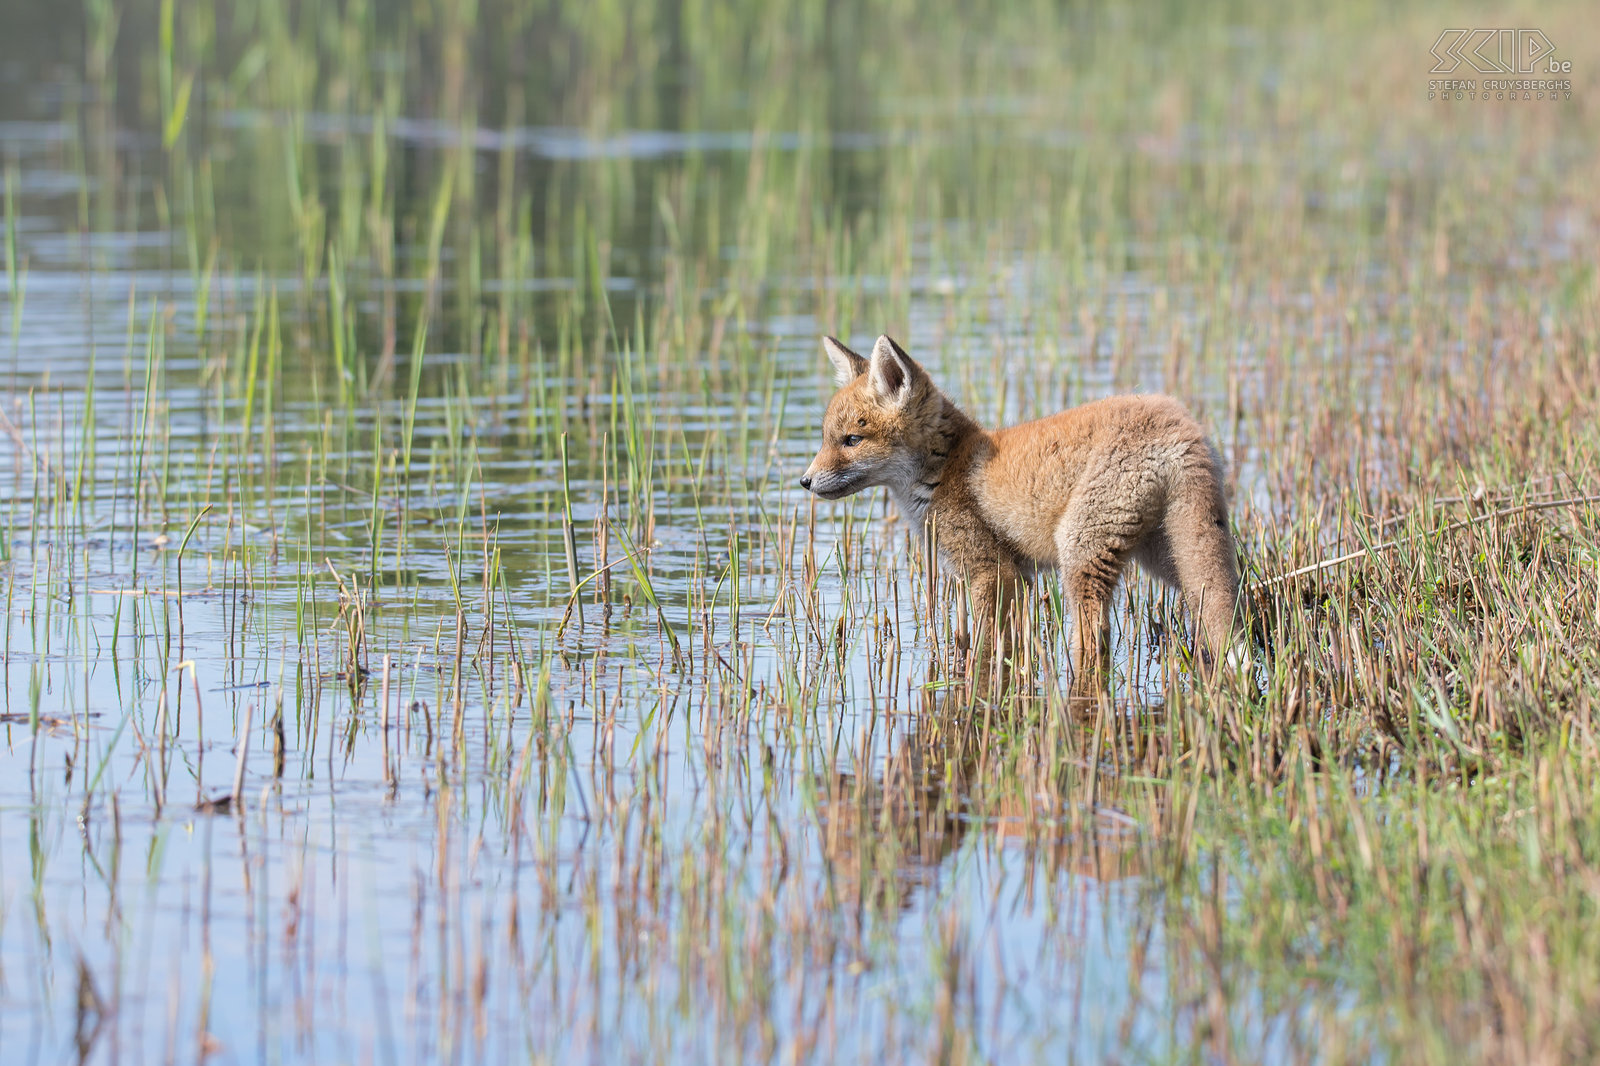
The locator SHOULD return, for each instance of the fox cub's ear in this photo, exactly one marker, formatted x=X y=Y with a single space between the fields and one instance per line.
x=893 y=374
x=847 y=365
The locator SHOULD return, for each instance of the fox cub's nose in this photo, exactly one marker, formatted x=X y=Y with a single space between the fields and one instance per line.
x=805 y=482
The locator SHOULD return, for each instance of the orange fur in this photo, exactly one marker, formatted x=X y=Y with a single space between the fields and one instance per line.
x=1128 y=477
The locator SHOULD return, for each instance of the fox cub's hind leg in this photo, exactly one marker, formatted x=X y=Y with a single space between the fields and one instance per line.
x=1200 y=546
x=1094 y=540
x=1089 y=597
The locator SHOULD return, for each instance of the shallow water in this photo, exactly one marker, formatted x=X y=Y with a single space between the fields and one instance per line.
x=396 y=895
x=393 y=894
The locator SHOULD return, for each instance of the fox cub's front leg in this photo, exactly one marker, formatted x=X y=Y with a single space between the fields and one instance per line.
x=995 y=592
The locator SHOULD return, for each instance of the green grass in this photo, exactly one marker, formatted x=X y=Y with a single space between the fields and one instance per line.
x=432 y=481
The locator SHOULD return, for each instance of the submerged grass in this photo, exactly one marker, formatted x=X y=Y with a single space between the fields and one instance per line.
x=404 y=404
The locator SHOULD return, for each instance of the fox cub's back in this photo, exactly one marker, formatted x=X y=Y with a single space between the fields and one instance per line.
x=1037 y=469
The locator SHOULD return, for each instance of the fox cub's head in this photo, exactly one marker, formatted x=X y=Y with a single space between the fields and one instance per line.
x=877 y=427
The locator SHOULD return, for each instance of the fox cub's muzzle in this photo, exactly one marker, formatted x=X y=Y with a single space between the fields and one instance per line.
x=829 y=483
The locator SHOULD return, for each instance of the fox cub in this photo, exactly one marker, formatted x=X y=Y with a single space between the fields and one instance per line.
x=1129 y=477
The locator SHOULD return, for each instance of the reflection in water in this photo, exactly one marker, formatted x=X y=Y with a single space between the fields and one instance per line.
x=888 y=835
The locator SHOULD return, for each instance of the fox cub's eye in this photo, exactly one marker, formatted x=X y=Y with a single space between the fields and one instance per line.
x=852 y=440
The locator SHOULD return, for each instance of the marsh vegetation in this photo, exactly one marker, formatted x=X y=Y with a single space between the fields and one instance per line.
x=417 y=647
